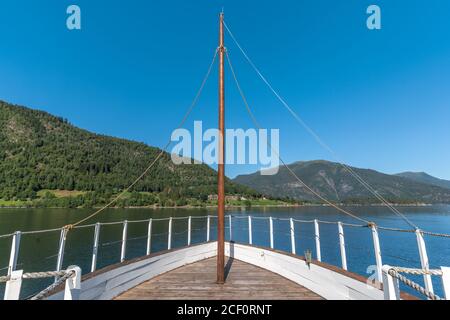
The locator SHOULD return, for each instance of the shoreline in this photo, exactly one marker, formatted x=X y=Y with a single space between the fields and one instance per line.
x=153 y=207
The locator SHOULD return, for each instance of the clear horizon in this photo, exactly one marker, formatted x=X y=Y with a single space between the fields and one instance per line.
x=379 y=98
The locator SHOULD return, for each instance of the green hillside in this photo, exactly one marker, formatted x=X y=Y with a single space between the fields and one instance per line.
x=334 y=182
x=46 y=161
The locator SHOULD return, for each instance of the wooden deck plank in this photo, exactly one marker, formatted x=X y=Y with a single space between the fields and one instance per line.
x=197 y=282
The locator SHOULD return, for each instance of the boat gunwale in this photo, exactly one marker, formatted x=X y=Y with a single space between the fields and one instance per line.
x=346 y=273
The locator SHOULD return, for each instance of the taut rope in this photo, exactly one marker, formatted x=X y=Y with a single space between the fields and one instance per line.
x=256 y=123
x=394 y=273
x=164 y=150
x=316 y=137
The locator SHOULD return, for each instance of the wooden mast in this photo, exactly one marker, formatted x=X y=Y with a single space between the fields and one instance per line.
x=221 y=166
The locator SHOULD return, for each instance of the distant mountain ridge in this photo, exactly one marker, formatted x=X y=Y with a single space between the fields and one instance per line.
x=425 y=178
x=334 y=182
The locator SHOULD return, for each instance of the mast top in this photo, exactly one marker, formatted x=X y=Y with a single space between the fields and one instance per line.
x=221 y=32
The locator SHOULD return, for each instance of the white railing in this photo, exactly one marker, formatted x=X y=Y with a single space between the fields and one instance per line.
x=392 y=277
x=71 y=277
x=95 y=247
x=381 y=275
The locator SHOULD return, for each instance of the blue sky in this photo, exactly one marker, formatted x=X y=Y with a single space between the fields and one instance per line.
x=380 y=99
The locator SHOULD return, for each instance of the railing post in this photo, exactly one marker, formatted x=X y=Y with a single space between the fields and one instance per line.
x=189 y=230
x=446 y=282
x=95 y=247
x=73 y=284
x=149 y=237
x=14 y=285
x=292 y=235
x=271 y=232
x=169 y=236
x=15 y=245
x=250 y=236
x=342 y=245
x=231 y=233
x=208 y=227
x=377 y=251
x=62 y=245
x=424 y=260
x=391 y=288
x=317 y=237
x=124 y=241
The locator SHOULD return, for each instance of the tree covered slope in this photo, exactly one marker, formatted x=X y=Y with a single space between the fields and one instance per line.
x=39 y=151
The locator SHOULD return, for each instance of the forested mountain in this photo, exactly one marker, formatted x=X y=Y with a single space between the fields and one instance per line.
x=334 y=182
x=39 y=151
x=46 y=161
x=425 y=178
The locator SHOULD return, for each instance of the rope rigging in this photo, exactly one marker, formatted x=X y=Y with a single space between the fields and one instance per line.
x=256 y=123
x=395 y=272
x=176 y=232
x=38 y=275
x=163 y=151
x=317 y=138
x=41 y=295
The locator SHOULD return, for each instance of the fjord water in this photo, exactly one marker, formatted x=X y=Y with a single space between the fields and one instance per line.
x=38 y=252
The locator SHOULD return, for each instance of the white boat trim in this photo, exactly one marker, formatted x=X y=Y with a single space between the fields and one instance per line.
x=107 y=283
x=327 y=281
x=324 y=281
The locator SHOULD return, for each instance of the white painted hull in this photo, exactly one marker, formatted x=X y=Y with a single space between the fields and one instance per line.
x=109 y=283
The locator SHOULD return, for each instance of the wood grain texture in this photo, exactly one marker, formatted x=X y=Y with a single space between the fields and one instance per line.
x=197 y=281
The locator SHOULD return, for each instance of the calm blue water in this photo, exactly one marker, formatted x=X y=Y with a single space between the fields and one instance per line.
x=38 y=251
